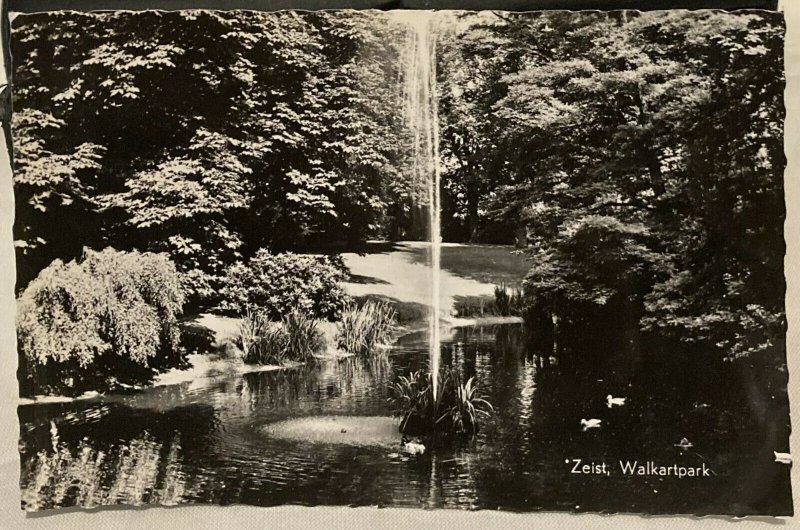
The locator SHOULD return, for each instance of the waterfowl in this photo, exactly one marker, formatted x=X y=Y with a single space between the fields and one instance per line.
x=593 y=423
x=413 y=446
x=783 y=458
x=684 y=444
x=614 y=401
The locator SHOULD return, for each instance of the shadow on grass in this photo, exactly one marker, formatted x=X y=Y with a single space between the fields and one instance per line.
x=406 y=311
x=365 y=280
x=493 y=264
x=196 y=338
x=362 y=248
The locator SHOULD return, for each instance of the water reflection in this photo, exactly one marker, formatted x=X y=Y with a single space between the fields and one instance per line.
x=205 y=440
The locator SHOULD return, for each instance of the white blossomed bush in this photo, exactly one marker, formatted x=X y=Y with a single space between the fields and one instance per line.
x=279 y=284
x=103 y=322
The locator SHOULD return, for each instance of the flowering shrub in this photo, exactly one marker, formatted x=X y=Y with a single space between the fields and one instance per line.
x=279 y=284
x=110 y=318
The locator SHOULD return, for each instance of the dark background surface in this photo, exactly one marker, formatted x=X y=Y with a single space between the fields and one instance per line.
x=272 y=5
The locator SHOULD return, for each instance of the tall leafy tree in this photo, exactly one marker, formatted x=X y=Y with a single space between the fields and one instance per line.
x=207 y=135
x=642 y=155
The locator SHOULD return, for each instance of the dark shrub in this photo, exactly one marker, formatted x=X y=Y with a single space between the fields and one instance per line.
x=507 y=302
x=278 y=284
x=110 y=318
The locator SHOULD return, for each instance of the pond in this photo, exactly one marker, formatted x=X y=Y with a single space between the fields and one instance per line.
x=224 y=440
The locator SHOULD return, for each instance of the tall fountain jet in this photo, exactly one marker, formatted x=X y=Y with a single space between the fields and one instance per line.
x=422 y=119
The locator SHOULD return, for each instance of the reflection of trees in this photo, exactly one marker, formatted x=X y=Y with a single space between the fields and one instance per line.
x=535 y=402
x=142 y=470
x=108 y=455
x=349 y=385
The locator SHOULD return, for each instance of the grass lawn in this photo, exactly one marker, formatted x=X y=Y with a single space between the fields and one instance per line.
x=400 y=273
x=495 y=264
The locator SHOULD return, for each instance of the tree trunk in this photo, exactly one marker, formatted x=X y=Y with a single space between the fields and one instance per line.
x=472 y=210
x=521 y=237
x=654 y=168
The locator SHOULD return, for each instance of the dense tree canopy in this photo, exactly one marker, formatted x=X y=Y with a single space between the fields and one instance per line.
x=206 y=135
x=641 y=152
x=638 y=157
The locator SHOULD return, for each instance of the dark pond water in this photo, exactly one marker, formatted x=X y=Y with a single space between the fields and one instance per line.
x=207 y=441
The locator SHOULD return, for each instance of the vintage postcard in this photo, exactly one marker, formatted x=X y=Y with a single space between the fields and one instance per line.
x=441 y=259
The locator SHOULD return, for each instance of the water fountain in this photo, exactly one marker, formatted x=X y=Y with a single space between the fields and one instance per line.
x=437 y=405
x=420 y=104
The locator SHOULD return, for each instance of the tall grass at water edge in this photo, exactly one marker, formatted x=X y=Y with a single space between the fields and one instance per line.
x=362 y=328
x=295 y=338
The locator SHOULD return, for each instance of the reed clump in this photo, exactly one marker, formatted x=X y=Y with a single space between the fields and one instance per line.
x=507 y=301
x=295 y=338
x=455 y=409
x=362 y=328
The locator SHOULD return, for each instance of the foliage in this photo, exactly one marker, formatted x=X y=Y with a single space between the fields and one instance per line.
x=638 y=156
x=474 y=306
x=455 y=410
x=110 y=318
x=295 y=338
x=466 y=408
x=507 y=302
x=261 y=341
x=361 y=328
x=303 y=337
x=221 y=133
x=279 y=284
x=249 y=330
x=409 y=397
x=190 y=197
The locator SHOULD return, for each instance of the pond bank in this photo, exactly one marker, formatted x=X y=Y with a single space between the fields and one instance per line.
x=395 y=272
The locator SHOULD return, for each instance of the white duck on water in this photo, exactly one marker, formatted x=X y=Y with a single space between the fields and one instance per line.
x=592 y=423
x=412 y=446
x=612 y=401
x=782 y=458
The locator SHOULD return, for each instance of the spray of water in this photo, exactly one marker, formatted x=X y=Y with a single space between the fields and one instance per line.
x=422 y=119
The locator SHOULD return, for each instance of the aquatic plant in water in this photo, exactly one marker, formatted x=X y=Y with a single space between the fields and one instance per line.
x=453 y=409
x=362 y=328
x=507 y=301
x=295 y=338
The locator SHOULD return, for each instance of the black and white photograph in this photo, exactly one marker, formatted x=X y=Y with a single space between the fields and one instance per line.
x=471 y=260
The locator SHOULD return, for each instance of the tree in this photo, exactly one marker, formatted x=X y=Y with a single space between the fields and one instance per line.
x=208 y=135
x=652 y=137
